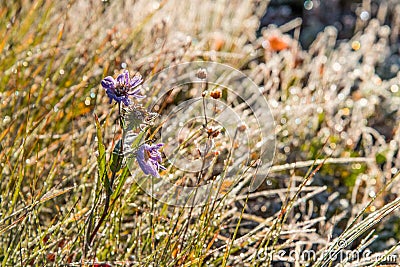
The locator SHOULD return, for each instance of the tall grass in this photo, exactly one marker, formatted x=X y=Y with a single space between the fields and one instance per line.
x=335 y=172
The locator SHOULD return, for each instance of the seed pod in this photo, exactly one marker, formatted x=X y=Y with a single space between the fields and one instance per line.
x=216 y=93
x=242 y=127
x=202 y=74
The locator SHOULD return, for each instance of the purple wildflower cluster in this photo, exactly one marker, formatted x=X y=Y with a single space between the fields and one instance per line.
x=120 y=90
x=149 y=159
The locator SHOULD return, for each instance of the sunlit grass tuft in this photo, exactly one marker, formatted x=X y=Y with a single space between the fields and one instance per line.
x=335 y=114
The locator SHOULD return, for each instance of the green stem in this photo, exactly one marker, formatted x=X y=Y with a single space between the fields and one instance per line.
x=109 y=190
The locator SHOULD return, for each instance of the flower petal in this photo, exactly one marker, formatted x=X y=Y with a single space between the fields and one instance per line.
x=135 y=94
x=147 y=166
x=121 y=78
x=108 y=82
x=113 y=96
x=111 y=93
x=158 y=146
x=126 y=76
x=126 y=101
x=135 y=81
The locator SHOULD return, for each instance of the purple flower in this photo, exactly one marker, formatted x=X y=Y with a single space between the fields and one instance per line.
x=121 y=88
x=149 y=159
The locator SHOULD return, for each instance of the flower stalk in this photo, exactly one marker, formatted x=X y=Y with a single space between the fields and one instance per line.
x=125 y=91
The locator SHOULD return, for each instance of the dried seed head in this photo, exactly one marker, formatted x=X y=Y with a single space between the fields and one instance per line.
x=202 y=74
x=216 y=93
x=242 y=127
x=213 y=132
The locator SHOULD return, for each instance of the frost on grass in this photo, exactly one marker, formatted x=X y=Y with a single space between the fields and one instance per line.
x=338 y=99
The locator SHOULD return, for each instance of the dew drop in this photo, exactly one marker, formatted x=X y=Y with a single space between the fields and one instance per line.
x=371 y=194
x=338 y=127
x=394 y=88
x=308 y=5
x=263 y=209
x=336 y=67
x=364 y=15
x=356 y=45
x=6 y=119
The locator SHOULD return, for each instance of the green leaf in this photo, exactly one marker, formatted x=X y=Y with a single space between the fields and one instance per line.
x=135 y=145
x=116 y=162
x=380 y=158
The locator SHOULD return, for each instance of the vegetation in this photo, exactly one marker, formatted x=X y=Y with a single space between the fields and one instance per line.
x=331 y=196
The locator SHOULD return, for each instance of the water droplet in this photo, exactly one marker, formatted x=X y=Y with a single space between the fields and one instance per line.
x=364 y=15
x=286 y=149
x=156 y=5
x=263 y=209
x=6 y=119
x=394 y=88
x=371 y=194
x=123 y=65
x=338 y=127
x=363 y=102
x=308 y=5
x=356 y=45
x=274 y=103
x=336 y=66
x=92 y=95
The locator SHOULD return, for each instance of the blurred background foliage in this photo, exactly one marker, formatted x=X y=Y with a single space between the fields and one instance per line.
x=332 y=82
